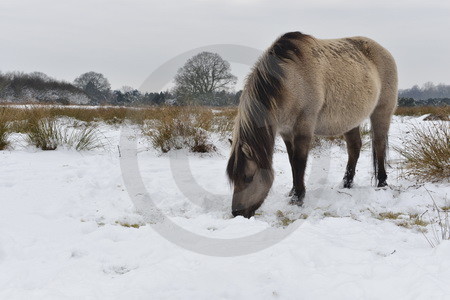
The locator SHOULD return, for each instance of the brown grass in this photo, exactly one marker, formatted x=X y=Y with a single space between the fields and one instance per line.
x=442 y=111
x=4 y=130
x=107 y=114
x=388 y=215
x=404 y=220
x=176 y=128
x=285 y=221
x=48 y=134
x=427 y=151
x=170 y=127
x=220 y=120
x=224 y=120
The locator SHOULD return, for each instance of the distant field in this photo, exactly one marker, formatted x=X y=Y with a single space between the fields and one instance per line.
x=117 y=114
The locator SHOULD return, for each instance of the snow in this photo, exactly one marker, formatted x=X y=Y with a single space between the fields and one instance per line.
x=65 y=217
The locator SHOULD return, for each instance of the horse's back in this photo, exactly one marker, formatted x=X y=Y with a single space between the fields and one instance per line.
x=347 y=77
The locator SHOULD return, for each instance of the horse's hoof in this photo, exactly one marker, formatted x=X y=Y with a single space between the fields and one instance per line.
x=297 y=199
x=348 y=184
x=382 y=184
x=291 y=192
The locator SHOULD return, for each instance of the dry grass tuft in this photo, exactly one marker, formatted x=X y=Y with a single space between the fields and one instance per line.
x=44 y=134
x=45 y=131
x=49 y=134
x=404 y=220
x=446 y=208
x=427 y=152
x=129 y=225
x=388 y=215
x=285 y=221
x=181 y=128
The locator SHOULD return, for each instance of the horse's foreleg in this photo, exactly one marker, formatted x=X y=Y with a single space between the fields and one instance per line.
x=290 y=151
x=353 y=140
x=299 y=157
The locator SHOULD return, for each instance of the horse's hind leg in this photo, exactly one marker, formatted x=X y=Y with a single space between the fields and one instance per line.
x=353 y=140
x=380 y=121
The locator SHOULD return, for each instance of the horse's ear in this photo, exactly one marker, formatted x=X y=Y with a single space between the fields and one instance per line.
x=247 y=150
x=231 y=142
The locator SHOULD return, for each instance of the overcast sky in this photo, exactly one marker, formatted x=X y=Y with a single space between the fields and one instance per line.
x=127 y=39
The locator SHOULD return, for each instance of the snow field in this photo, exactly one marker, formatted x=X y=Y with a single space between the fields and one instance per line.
x=68 y=229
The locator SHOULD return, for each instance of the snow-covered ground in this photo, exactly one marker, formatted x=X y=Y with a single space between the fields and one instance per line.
x=69 y=230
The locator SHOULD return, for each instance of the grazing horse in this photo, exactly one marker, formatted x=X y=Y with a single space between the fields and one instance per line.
x=300 y=87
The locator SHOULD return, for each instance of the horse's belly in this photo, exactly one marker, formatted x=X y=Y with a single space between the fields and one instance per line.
x=346 y=108
x=335 y=128
x=341 y=117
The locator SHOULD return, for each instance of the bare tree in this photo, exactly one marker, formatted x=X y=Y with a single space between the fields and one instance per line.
x=95 y=85
x=204 y=74
x=96 y=79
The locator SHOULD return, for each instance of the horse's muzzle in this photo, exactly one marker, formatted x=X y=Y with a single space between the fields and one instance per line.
x=246 y=213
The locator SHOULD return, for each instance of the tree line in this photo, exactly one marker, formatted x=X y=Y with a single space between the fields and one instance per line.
x=205 y=79
x=409 y=102
x=428 y=91
x=89 y=88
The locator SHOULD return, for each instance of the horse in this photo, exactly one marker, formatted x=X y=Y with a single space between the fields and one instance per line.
x=303 y=86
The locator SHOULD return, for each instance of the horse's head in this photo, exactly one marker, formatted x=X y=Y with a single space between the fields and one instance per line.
x=251 y=182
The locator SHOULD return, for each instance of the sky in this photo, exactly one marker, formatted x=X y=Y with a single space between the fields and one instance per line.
x=126 y=40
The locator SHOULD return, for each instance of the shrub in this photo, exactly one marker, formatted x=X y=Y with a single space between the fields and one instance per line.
x=181 y=128
x=427 y=151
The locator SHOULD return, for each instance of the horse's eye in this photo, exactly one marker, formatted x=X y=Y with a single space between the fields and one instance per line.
x=248 y=179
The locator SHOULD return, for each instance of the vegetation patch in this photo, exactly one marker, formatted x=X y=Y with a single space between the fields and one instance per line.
x=4 y=130
x=388 y=215
x=224 y=121
x=47 y=133
x=446 y=208
x=404 y=219
x=285 y=221
x=129 y=225
x=441 y=111
x=181 y=128
x=426 y=151
x=328 y=214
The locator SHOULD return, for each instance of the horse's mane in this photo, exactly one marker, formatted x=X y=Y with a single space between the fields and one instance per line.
x=254 y=124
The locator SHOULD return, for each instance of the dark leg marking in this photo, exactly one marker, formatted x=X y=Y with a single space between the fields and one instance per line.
x=354 y=144
x=299 y=158
x=380 y=127
x=290 y=152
